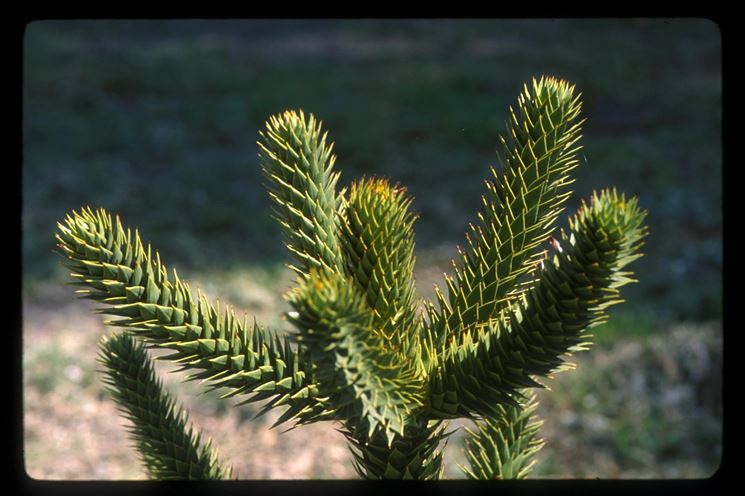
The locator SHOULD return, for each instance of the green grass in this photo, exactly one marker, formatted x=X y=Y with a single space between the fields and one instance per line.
x=627 y=323
x=46 y=369
x=644 y=407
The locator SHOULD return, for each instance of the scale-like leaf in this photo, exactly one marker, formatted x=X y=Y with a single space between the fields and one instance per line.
x=298 y=165
x=519 y=210
x=483 y=368
x=504 y=446
x=135 y=287
x=169 y=448
x=412 y=455
x=370 y=387
x=377 y=239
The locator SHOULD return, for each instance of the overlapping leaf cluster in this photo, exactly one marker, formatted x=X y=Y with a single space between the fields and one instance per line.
x=169 y=447
x=503 y=446
x=363 y=354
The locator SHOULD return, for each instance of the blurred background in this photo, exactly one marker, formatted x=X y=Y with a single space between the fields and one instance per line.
x=157 y=121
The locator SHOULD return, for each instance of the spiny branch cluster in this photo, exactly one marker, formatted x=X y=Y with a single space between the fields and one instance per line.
x=362 y=354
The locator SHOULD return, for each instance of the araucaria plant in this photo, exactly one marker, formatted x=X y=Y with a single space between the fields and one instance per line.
x=390 y=369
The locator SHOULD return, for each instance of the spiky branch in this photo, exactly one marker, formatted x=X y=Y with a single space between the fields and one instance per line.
x=519 y=209
x=483 y=368
x=135 y=287
x=298 y=165
x=169 y=448
x=503 y=447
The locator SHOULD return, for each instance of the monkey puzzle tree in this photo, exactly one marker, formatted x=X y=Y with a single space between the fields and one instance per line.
x=390 y=368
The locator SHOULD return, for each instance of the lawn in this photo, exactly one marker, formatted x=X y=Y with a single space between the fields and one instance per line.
x=157 y=121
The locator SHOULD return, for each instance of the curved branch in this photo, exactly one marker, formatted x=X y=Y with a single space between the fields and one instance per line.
x=169 y=449
x=134 y=286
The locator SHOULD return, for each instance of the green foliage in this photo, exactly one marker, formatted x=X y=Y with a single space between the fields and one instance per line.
x=519 y=209
x=485 y=366
x=362 y=354
x=377 y=233
x=411 y=455
x=169 y=449
x=298 y=165
x=115 y=269
x=368 y=385
x=503 y=446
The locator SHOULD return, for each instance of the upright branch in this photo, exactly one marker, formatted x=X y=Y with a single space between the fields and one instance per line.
x=298 y=165
x=372 y=388
x=504 y=446
x=377 y=239
x=518 y=213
